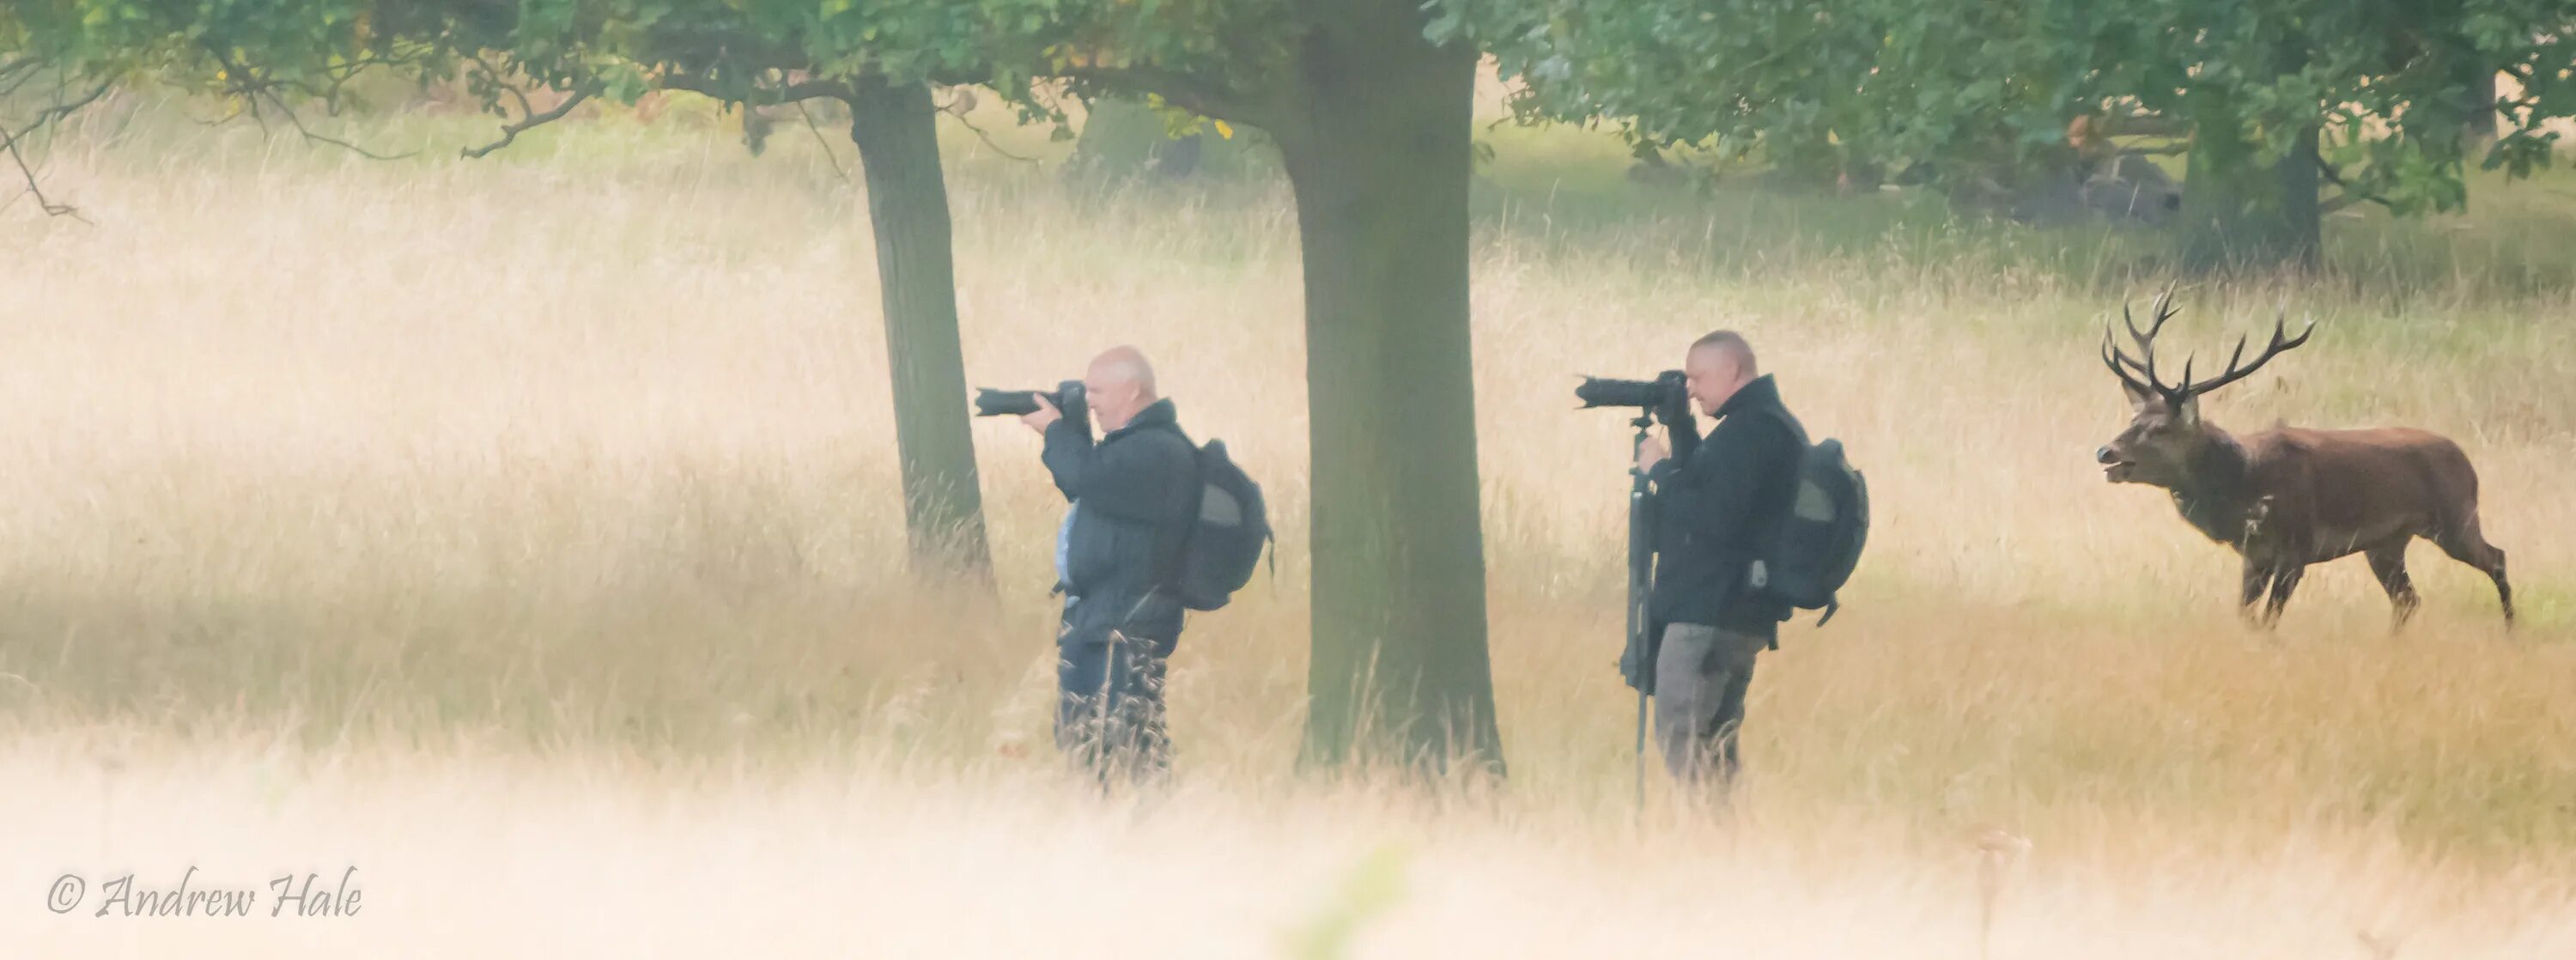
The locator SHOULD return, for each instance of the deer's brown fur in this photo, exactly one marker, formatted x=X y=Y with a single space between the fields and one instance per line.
x=2289 y=497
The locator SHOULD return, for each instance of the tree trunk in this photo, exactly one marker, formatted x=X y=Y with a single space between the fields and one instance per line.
x=2239 y=212
x=1376 y=136
x=898 y=138
x=2480 y=104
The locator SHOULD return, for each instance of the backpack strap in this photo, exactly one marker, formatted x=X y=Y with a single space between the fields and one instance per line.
x=1168 y=577
x=1270 y=553
x=1756 y=575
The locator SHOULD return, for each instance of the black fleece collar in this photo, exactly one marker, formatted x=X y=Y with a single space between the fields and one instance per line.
x=1158 y=414
x=1760 y=392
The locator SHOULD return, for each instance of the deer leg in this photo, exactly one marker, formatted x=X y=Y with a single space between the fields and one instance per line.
x=2388 y=563
x=2257 y=578
x=2282 y=583
x=2467 y=544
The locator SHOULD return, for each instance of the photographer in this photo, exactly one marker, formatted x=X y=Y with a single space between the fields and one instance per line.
x=1119 y=547
x=1713 y=505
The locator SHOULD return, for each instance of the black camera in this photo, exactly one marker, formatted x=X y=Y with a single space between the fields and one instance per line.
x=1667 y=391
x=1665 y=399
x=1067 y=397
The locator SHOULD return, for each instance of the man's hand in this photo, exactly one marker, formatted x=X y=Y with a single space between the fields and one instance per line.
x=1649 y=453
x=1045 y=415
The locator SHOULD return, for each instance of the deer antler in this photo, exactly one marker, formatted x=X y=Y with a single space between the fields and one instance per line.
x=2281 y=343
x=2131 y=369
x=2123 y=364
x=2120 y=364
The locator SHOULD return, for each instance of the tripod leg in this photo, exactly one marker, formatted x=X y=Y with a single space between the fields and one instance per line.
x=1640 y=581
x=1641 y=754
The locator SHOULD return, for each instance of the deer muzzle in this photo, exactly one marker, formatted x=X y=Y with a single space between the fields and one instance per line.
x=2115 y=468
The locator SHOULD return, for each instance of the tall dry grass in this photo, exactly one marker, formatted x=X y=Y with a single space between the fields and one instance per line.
x=541 y=514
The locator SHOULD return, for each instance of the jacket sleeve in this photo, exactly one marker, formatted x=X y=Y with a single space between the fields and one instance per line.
x=1712 y=494
x=1066 y=432
x=1127 y=480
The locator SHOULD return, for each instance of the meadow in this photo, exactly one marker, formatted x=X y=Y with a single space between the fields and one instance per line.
x=524 y=533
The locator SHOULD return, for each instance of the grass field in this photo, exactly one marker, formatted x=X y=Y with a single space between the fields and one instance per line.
x=524 y=533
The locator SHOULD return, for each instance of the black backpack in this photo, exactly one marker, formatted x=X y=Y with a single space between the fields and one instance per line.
x=1812 y=551
x=1227 y=533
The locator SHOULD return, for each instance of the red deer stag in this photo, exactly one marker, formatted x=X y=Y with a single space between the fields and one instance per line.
x=2287 y=497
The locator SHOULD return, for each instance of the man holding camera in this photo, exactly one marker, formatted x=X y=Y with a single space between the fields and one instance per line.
x=1714 y=504
x=1117 y=551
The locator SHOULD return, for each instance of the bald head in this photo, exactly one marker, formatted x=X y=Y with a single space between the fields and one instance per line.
x=1718 y=365
x=1119 y=384
x=1729 y=345
x=1121 y=365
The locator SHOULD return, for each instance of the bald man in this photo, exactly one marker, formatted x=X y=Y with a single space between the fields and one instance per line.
x=1133 y=493
x=1714 y=506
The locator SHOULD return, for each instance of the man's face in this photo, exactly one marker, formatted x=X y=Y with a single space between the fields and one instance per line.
x=1113 y=402
x=1713 y=378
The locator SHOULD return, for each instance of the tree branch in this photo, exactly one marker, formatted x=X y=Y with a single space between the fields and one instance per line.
x=510 y=132
x=791 y=93
x=12 y=75
x=1190 y=92
x=9 y=140
x=251 y=88
x=817 y=130
x=526 y=109
x=341 y=75
x=59 y=111
x=51 y=208
x=987 y=138
x=2350 y=194
x=702 y=45
x=813 y=89
x=2345 y=201
x=298 y=124
x=2144 y=125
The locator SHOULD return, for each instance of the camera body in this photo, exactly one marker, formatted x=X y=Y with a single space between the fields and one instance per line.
x=1664 y=399
x=1067 y=397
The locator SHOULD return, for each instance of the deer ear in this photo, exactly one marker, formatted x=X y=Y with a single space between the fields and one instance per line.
x=2139 y=400
x=2188 y=414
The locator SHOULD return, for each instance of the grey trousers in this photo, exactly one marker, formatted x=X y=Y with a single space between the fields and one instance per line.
x=1700 y=679
x=1109 y=715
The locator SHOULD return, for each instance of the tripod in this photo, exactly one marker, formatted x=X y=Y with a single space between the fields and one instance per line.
x=1638 y=661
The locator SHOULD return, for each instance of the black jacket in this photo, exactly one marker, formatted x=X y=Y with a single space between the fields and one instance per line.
x=1133 y=496
x=1713 y=506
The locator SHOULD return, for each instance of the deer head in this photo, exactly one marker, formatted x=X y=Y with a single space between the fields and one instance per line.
x=2166 y=434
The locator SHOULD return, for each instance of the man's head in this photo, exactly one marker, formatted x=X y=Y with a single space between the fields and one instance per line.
x=1118 y=386
x=1719 y=364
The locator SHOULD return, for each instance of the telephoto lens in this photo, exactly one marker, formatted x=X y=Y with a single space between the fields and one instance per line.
x=1067 y=398
x=1005 y=403
x=1645 y=394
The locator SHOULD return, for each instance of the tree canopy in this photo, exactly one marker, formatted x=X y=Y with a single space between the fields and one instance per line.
x=2375 y=99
